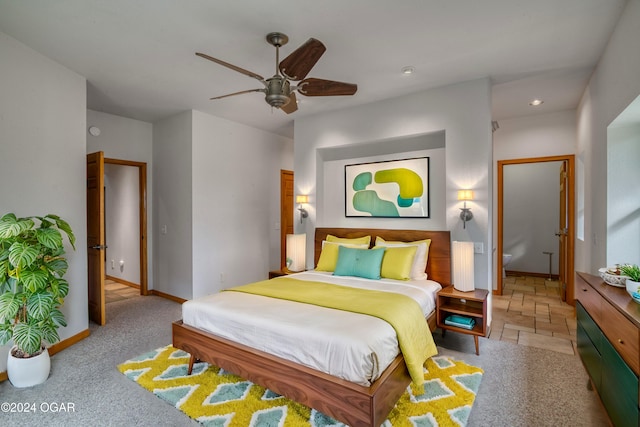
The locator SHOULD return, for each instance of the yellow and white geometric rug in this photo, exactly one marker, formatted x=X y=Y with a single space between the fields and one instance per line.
x=215 y=397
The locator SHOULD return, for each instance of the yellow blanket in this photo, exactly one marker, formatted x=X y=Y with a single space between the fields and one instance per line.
x=400 y=311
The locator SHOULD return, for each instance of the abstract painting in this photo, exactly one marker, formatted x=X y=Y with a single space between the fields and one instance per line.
x=389 y=189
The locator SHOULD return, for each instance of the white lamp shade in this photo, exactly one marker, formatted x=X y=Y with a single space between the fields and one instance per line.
x=296 y=252
x=463 y=266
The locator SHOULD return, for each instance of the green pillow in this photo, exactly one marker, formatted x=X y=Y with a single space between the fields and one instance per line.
x=329 y=255
x=397 y=262
x=364 y=263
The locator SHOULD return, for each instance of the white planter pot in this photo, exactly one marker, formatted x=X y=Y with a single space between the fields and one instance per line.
x=28 y=372
x=631 y=288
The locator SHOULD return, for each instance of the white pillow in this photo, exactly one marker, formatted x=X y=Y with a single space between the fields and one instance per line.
x=419 y=264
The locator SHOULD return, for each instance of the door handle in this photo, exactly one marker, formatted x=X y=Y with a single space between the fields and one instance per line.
x=98 y=247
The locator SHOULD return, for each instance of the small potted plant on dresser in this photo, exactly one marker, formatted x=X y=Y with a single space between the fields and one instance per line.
x=632 y=272
x=32 y=289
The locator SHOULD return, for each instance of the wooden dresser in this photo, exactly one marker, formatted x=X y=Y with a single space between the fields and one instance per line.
x=609 y=345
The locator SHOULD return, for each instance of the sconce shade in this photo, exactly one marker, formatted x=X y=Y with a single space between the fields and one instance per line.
x=463 y=266
x=296 y=252
x=301 y=198
x=465 y=194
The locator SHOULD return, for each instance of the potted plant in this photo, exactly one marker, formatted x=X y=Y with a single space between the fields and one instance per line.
x=32 y=289
x=632 y=271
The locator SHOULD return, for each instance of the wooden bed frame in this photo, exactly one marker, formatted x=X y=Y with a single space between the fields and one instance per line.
x=350 y=403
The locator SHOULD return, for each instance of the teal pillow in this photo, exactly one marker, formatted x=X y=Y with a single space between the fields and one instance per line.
x=364 y=263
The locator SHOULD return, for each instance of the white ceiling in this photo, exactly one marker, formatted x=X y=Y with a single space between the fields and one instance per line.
x=138 y=56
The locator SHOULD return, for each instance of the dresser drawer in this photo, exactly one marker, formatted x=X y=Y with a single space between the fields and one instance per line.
x=623 y=335
x=589 y=298
x=589 y=327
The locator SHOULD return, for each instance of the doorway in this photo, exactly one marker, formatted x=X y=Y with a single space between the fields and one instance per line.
x=565 y=223
x=96 y=231
x=286 y=212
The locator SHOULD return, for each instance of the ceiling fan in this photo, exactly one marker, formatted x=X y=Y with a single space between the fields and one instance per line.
x=278 y=90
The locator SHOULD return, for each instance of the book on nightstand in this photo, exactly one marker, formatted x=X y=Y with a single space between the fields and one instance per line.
x=460 y=321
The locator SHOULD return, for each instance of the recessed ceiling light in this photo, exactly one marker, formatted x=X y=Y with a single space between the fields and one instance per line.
x=536 y=102
x=408 y=70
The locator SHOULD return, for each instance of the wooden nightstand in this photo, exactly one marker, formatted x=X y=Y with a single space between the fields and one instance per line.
x=470 y=304
x=277 y=273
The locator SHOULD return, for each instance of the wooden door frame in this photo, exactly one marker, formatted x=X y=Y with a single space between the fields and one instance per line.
x=283 y=233
x=571 y=218
x=142 y=194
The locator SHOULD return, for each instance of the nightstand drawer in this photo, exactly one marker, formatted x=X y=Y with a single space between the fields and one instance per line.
x=624 y=336
x=589 y=298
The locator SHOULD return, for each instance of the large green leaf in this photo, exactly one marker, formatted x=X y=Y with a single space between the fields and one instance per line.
x=4 y=269
x=57 y=266
x=64 y=226
x=10 y=226
x=34 y=280
x=10 y=303
x=50 y=333
x=59 y=289
x=22 y=255
x=6 y=331
x=27 y=336
x=58 y=318
x=49 y=237
x=39 y=305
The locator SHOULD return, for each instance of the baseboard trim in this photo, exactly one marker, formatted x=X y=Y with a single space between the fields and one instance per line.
x=167 y=296
x=122 y=281
x=526 y=273
x=57 y=347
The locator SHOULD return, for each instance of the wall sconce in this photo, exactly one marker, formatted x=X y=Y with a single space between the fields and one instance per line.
x=466 y=214
x=296 y=252
x=300 y=199
x=462 y=258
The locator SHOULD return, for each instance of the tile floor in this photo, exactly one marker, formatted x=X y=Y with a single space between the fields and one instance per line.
x=530 y=312
x=114 y=291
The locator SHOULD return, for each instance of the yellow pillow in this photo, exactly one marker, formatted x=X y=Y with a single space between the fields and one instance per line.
x=419 y=261
x=397 y=261
x=329 y=255
x=365 y=240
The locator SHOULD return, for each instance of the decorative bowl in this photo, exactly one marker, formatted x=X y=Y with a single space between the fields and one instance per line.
x=633 y=289
x=612 y=279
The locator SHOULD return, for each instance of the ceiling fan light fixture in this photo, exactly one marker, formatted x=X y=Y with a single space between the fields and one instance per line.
x=277 y=89
x=536 y=102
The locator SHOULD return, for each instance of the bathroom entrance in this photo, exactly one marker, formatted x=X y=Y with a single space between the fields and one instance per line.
x=536 y=226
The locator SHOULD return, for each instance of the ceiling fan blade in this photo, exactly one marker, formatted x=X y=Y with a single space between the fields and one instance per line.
x=238 y=93
x=233 y=67
x=292 y=105
x=320 y=87
x=297 y=65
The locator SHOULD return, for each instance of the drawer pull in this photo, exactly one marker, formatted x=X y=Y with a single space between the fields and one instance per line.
x=620 y=341
x=584 y=289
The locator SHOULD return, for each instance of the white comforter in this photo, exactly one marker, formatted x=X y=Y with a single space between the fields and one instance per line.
x=351 y=346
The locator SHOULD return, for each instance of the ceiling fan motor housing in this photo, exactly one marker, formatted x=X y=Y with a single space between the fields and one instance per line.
x=278 y=91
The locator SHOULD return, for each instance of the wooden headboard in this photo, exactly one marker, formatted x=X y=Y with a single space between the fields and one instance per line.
x=438 y=264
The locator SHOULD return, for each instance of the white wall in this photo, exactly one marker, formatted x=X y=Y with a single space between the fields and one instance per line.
x=218 y=194
x=614 y=84
x=623 y=194
x=542 y=135
x=462 y=111
x=127 y=139
x=531 y=209
x=172 y=205
x=236 y=202
x=122 y=222
x=42 y=157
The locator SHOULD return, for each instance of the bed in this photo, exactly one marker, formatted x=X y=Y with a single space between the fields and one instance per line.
x=347 y=401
